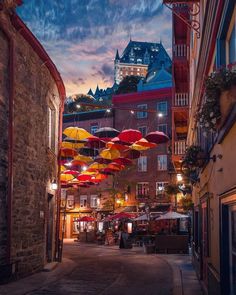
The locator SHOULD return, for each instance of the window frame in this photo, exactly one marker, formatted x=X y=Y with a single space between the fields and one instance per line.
x=142 y=114
x=142 y=164
x=162 y=167
x=158 y=108
x=144 y=191
x=163 y=124
x=84 y=198
x=93 y=197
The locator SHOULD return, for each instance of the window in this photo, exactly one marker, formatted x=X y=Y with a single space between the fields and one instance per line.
x=162 y=108
x=83 y=201
x=51 y=128
x=70 y=202
x=141 y=115
x=143 y=130
x=232 y=46
x=94 y=201
x=162 y=128
x=93 y=128
x=142 y=164
x=162 y=162
x=160 y=187
x=142 y=189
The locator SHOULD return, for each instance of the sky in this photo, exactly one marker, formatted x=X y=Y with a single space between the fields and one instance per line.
x=81 y=36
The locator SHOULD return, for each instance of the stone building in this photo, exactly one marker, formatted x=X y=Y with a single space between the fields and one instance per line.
x=31 y=100
x=139 y=59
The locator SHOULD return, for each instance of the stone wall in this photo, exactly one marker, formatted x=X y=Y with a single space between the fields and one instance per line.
x=4 y=80
x=34 y=164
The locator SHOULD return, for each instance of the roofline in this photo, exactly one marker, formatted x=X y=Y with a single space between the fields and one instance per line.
x=21 y=28
x=79 y=113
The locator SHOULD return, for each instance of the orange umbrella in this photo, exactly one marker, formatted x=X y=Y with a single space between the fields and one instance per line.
x=144 y=142
x=68 y=152
x=117 y=146
x=123 y=161
x=66 y=177
x=115 y=166
x=96 y=166
x=82 y=158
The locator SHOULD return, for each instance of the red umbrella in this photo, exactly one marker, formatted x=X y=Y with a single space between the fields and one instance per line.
x=84 y=177
x=117 y=140
x=131 y=154
x=72 y=172
x=108 y=170
x=95 y=142
x=86 y=219
x=102 y=161
x=130 y=135
x=157 y=137
x=66 y=152
x=123 y=161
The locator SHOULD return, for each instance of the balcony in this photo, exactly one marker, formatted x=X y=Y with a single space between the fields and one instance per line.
x=181 y=99
x=180 y=147
x=181 y=51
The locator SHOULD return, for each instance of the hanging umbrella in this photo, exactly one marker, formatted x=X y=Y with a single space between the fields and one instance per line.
x=96 y=166
x=157 y=137
x=66 y=177
x=138 y=147
x=72 y=172
x=68 y=152
x=100 y=176
x=117 y=146
x=83 y=158
x=110 y=154
x=130 y=135
x=172 y=215
x=107 y=171
x=131 y=154
x=71 y=145
x=117 y=140
x=115 y=166
x=123 y=161
x=76 y=133
x=84 y=177
x=106 y=132
x=102 y=160
x=74 y=163
x=90 y=152
x=62 y=168
x=95 y=142
x=86 y=219
x=145 y=143
x=72 y=140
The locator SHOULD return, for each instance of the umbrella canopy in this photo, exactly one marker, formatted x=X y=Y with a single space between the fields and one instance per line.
x=68 y=152
x=71 y=145
x=77 y=163
x=121 y=215
x=83 y=158
x=117 y=146
x=157 y=137
x=117 y=140
x=106 y=132
x=95 y=142
x=90 y=152
x=96 y=166
x=138 y=147
x=145 y=143
x=123 y=161
x=110 y=154
x=76 y=133
x=172 y=215
x=130 y=135
x=102 y=160
x=141 y=218
x=66 y=177
x=86 y=219
x=115 y=166
x=72 y=172
x=84 y=177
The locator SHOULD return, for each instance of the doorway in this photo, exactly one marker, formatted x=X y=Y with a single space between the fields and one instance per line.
x=49 y=242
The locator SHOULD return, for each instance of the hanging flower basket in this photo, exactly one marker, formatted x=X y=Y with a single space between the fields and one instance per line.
x=194 y=157
x=220 y=95
x=172 y=189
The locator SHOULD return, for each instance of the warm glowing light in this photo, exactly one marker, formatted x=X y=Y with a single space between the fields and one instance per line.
x=129 y=227
x=160 y=115
x=126 y=197
x=84 y=168
x=68 y=164
x=54 y=185
x=179 y=177
x=118 y=201
x=108 y=110
x=132 y=112
x=78 y=106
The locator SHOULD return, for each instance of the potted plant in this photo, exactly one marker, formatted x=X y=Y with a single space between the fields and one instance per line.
x=194 y=156
x=220 y=96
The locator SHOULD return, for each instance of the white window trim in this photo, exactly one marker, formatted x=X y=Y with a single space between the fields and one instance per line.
x=142 y=162
x=142 y=110
x=83 y=197
x=162 y=168
x=93 y=197
x=166 y=102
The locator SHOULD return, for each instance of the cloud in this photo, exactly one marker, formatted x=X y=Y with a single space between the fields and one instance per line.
x=81 y=37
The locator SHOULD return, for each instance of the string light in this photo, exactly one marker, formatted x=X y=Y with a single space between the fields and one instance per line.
x=132 y=112
x=108 y=110
x=160 y=115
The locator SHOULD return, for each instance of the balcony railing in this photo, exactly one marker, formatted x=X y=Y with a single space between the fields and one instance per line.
x=181 y=99
x=181 y=50
x=180 y=147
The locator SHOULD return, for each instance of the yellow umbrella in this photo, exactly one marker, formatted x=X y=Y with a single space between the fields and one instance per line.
x=63 y=168
x=144 y=142
x=88 y=172
x=96 y=166
x=76 y=133
x=82 y=158
x=66 y=177
x=110 y=154
x=138 y=147
x=71 y=145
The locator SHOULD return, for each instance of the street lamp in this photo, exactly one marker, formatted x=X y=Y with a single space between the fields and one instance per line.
x=54 y=185
x=160 y=115
x=179 y=177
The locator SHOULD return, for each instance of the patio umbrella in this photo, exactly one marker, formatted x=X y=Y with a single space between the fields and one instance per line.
x=68 y=152
x=171 y=215
x=86 y=219
x=106 y=132
x=141 y=218
x=157 y=137
x=119 y=216
x=130 y=135
x=76 y=133
x=110 y=154
x=90 y=152
x=123 y=161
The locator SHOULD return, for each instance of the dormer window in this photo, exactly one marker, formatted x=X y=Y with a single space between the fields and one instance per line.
x=139 y=60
